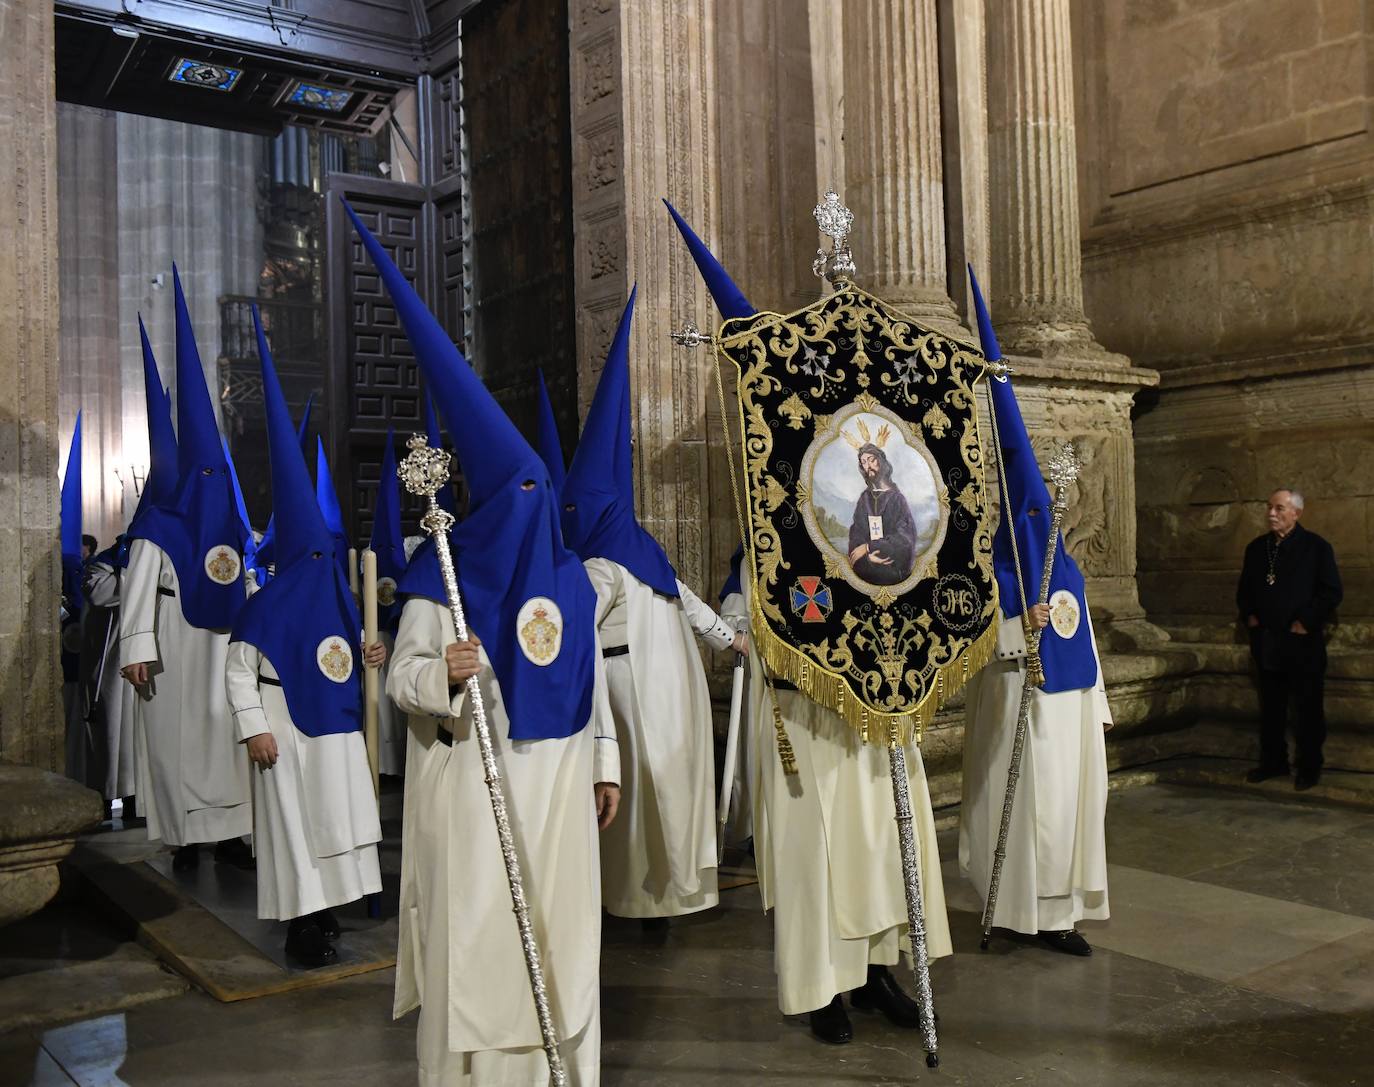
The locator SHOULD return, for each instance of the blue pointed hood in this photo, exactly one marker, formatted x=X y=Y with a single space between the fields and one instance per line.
x=161 y=479
x=303 y=431
x=598 y=495
x=266 y=552
x=70 y=525
x=198 y=527
x=526 y=595
x=163 y=472
x=550 y=448
x=729 y=298
x=448 y=499
x=328 y=499
x=1069 y=661
x=304 y=620
x=388 y=541
x=249 y=546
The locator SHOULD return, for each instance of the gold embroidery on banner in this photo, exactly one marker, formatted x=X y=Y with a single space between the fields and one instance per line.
x=827 y=672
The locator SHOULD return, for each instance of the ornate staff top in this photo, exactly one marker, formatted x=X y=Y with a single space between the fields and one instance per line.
x=835 y=221
x=1064 y=467
x=423 y=471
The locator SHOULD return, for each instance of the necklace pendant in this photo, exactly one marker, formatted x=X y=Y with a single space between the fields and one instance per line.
x=1269 y=578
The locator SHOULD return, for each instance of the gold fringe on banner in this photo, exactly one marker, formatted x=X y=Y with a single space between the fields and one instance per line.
x=833 y=691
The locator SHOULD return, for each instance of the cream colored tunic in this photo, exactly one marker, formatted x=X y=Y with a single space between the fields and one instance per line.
x=459 y=956
x=315 y=825
x=658 y=859
x=825 y=841
x=192 y=776
x=1055 y=871
x=102 y=590
x=391 y=722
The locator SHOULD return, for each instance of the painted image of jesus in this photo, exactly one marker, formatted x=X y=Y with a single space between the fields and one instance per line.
x=882 y=534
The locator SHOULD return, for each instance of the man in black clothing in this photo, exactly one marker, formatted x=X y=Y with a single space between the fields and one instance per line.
x=1289 y=588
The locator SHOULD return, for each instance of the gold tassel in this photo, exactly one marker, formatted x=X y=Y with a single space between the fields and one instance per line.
x=785 y=752
x=1035 y=671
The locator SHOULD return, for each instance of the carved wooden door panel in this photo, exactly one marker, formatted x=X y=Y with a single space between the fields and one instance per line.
x=515 y=98
x=374 y=381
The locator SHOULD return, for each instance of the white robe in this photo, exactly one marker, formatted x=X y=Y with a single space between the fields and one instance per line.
x=658 y=859
x=1055 y=871
x=459 y=956
x=315 y=824
x=829 y=862
x=391 y=722
x=192 y=776
x=117 y=696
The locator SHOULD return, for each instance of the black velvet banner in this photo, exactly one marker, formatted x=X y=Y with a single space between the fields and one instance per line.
x=869 y=541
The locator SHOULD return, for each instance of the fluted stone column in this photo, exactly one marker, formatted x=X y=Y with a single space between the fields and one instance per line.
x=187 y=194
x=88 y=276
x=1037 y=265
x=31 y=726
x=894 y=176
x=1069 y=386
x=644 y=127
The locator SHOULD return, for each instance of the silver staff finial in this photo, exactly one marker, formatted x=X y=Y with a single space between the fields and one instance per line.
x=690 y=336
x=1064 y=466
x=835 y=221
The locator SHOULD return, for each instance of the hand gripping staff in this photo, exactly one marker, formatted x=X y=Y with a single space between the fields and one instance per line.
x=423 y=472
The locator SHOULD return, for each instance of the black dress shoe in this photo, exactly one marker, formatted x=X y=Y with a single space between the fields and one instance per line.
x=881 y=993
x=1264 y=773
x=831 y=1023
x=1067 y=941
x=235 y=851
x=306 y=944
x=186 y=858
x=328 y=923
x=1306 y=779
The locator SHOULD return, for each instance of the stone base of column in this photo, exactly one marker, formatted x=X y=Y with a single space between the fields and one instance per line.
x=1064 y=341
x=1087 y=399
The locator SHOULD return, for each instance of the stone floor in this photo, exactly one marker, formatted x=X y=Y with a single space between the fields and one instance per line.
x=1240 y=951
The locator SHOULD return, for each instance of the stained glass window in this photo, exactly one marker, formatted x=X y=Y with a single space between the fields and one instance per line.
x=201 y=73
x=329 y=99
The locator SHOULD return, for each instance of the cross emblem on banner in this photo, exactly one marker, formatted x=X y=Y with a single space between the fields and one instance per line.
x=811 y=600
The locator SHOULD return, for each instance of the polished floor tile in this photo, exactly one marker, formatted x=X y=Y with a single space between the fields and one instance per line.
x=1194 y=981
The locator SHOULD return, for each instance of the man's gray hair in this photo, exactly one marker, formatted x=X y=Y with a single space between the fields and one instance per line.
x=1295 y=497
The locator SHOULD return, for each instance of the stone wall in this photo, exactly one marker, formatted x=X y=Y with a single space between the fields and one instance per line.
x=31 y=729
x=1228 y=177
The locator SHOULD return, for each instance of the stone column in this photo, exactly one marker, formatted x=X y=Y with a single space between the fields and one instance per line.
x=894 y=176
x=31 y=726
x=1037 y=271
x=644 y=127
x=88 y=275
x=1069 y=386
x=187 y=194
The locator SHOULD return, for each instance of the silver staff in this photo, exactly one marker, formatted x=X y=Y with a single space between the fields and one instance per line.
x=915 y=905
x=424 y=471
x=836 y=265
x=1064 y=467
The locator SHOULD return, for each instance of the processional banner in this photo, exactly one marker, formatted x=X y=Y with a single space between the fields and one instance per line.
x=869 y=533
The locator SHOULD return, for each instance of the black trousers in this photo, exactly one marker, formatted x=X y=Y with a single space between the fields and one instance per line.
x=1302 y=691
